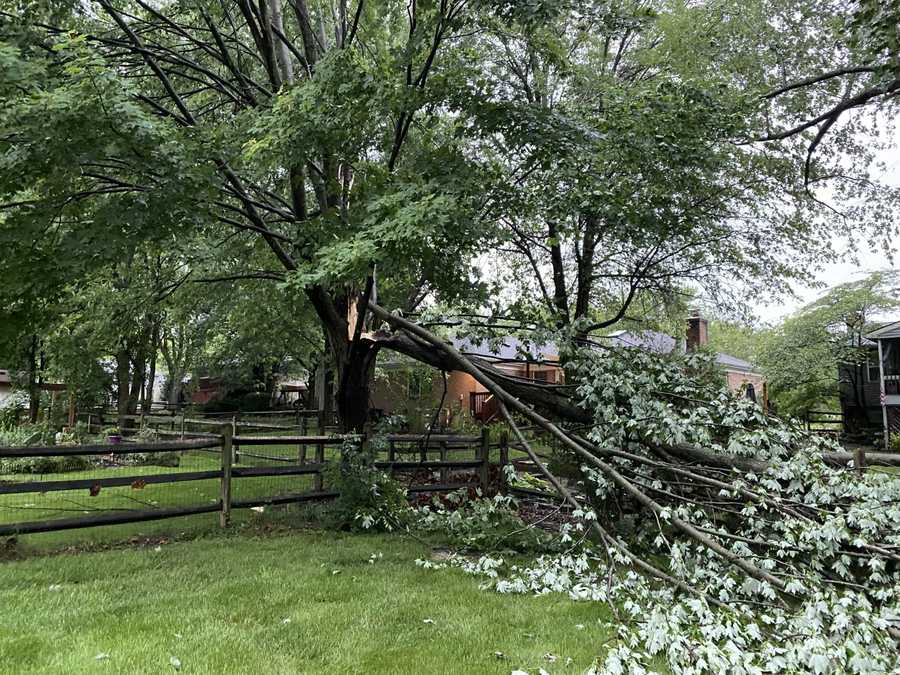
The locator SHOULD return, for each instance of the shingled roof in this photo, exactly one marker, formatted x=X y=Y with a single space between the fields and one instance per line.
x=660 y=343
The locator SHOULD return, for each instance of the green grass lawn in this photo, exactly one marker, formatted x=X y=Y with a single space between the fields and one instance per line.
x=291 y=602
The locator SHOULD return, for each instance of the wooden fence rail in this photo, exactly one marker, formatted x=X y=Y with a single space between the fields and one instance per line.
x=230 y=448
x=97 y=420
x=824 y=421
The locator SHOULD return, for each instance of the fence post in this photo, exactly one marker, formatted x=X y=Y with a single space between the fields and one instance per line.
x=301 y=453
x=227 y=453
x=321 y=422
x=320 y=460
x=182 y=425
x=504 y=458
x=859 y=459
x=392 y=450
x=237 y=454
x=485 y=457
x=443 y=459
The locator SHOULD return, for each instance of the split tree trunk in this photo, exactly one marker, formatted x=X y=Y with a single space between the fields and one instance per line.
x=352 y=353
x=354 y=378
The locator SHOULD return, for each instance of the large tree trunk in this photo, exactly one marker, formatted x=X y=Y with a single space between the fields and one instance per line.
x=353 y=355
x=139 y=373
x=354 y=378
x=560 y=291
x=175 y=387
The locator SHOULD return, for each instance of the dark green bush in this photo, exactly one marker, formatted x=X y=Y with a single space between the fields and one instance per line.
x=152 y=459
x=30 y=465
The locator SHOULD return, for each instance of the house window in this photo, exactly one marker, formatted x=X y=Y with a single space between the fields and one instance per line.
x=540 y=375
x=873 y=372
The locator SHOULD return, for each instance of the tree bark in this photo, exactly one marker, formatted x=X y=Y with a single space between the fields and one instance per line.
x=585 y=280
x=560 y=292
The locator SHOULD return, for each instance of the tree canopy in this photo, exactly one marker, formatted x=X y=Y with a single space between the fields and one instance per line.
x=581 y=154
x=548 y=165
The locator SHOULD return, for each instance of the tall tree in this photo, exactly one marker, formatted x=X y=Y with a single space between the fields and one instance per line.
x=360 y=150
x=805 y=357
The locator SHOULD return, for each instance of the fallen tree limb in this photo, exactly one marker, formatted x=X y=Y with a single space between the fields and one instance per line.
x=462 y=363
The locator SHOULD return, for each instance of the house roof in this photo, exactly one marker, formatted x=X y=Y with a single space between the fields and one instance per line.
x=660 y=343
x=889 y=330
x=510 y=349
x=648 y=340
x=513 y=349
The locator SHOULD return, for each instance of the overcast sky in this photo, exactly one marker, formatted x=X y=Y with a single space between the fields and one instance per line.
x=868 y=260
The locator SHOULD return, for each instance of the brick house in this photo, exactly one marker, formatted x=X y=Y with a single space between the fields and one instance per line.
x=405 y=387
x=740 y=376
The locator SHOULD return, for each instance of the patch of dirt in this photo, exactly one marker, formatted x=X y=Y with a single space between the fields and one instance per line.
x=441 y=554
x=543 y=514
x=10 y=549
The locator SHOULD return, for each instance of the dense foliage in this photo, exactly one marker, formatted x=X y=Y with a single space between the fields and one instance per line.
x=589 y=158
x=771 y=554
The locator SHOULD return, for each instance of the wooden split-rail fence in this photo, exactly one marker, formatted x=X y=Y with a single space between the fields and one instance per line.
x=185 y=426
x=405 y=453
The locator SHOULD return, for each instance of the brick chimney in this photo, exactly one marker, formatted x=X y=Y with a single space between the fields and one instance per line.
x=697 y=330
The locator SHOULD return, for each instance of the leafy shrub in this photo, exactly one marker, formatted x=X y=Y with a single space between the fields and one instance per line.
x=370 y=499
x=26 y=435
x=31 y=465
x=12 y=410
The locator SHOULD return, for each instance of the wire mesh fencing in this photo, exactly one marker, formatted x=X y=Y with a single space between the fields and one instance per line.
x=71 y=486
x=60 y=487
